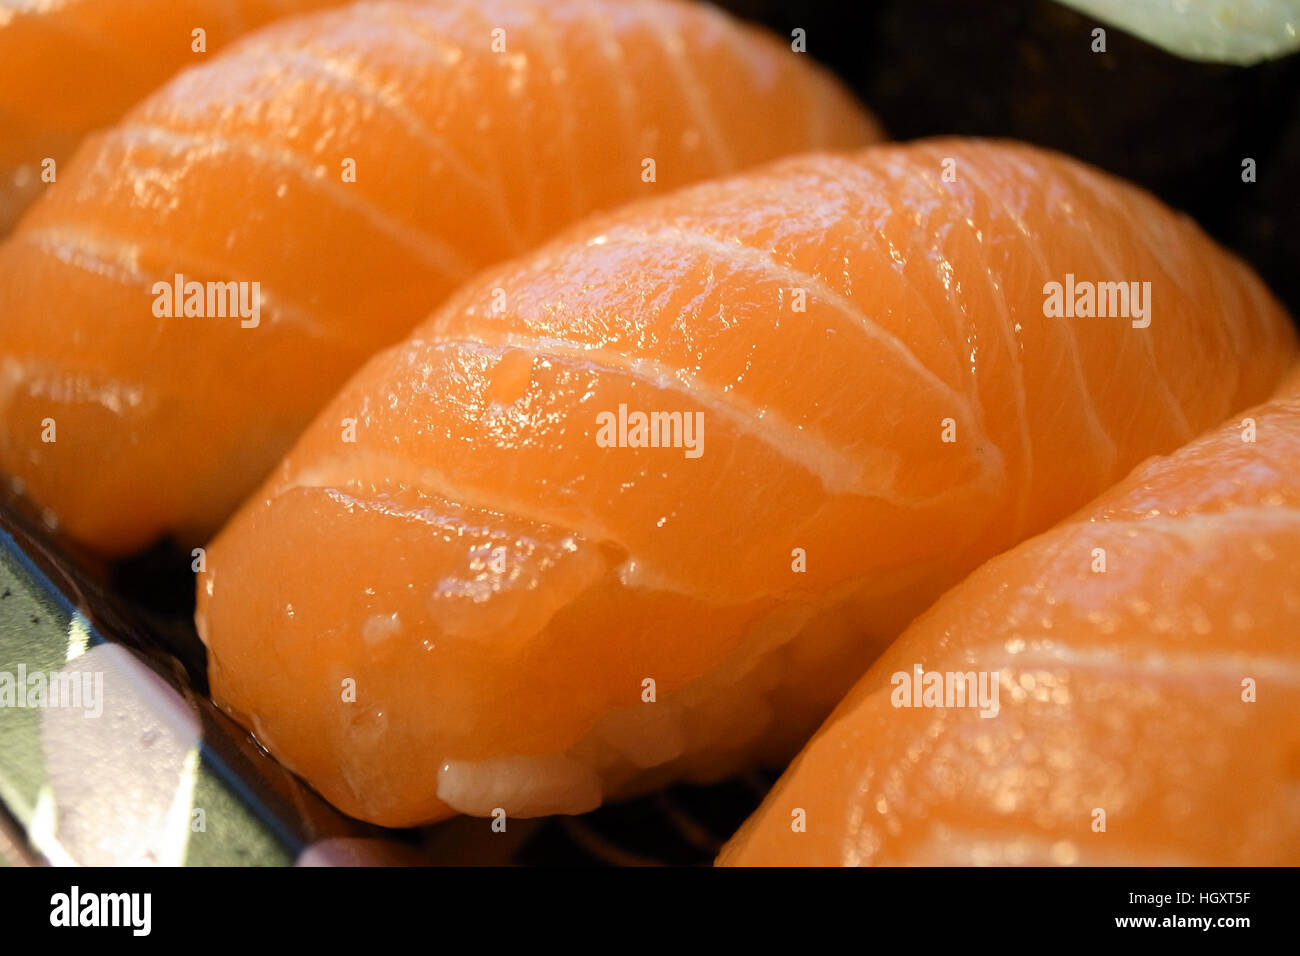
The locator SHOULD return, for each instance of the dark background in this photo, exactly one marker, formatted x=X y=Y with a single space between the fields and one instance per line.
x=1025 y=69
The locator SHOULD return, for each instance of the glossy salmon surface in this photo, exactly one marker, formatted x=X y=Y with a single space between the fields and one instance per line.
x=481 y=582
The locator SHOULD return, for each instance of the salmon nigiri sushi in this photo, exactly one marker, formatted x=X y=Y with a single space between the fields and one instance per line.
x=1132 y=689
x=68 y=67
x=206 y=273
x=641 y=505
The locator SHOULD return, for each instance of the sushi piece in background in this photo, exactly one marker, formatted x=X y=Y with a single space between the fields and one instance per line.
x=68 y=67
x=208 y=271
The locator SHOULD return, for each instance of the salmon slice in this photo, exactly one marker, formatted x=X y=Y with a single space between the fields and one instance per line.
x=461 y=592
x=1146 y=714
x=476 y=128
x=68 y=67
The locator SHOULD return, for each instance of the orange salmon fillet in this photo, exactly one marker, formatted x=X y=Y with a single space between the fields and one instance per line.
x=477 y=129
x=456 y=595
x=1147 y=713
x=68 y=67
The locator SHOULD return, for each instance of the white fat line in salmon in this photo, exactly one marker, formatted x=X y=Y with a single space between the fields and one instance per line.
x=215 y=300
x=626 y=429
x=74 y=908
x=79 y=690
x=1102 y=300
x=923 y=688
